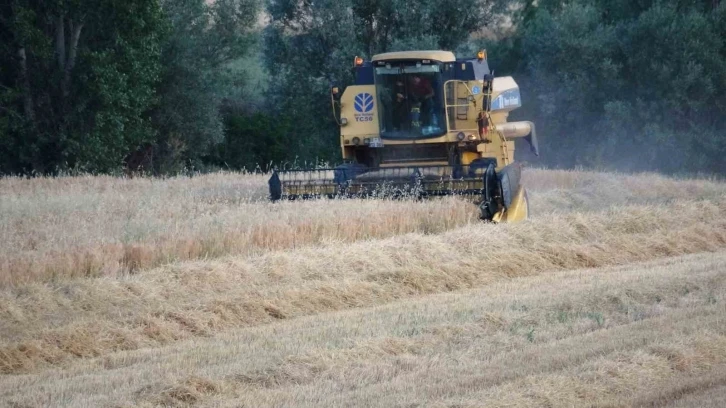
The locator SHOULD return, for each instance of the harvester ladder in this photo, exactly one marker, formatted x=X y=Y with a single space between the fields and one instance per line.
x=455 y=105
x=491 y=128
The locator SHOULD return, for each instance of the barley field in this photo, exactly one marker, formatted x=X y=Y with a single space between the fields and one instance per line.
x=198 y=292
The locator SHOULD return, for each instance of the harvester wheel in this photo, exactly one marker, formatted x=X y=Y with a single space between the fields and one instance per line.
x=492 y=191
x=509 y=180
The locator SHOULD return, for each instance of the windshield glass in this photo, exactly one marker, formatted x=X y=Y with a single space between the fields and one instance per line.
x=411 y=100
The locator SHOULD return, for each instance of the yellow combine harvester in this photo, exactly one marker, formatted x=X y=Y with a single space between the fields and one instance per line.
x=423 y=123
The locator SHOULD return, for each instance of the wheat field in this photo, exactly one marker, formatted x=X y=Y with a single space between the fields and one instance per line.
x=198 y=292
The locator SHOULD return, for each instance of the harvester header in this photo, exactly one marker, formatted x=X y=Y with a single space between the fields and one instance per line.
x=423 y=123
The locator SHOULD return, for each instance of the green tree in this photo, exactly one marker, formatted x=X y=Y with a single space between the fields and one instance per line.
x=309 y=46
x=205 y=39
x=78 y=82
x=253 y=142
x=627 y=85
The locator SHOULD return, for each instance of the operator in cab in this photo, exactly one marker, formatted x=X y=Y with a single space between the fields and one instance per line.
x=422 y=92
x=400 y=105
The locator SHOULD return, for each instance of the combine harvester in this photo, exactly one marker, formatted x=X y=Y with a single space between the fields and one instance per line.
x=426 y=124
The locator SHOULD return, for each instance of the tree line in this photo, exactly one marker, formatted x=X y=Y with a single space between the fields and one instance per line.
x=99 y=85
x=625 y=85
x=165 y=85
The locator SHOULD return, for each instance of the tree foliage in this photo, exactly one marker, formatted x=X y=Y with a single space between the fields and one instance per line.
x=253 y=142
x=627 y=85
x=204 y=39
x=78 y=79
x=84 y=84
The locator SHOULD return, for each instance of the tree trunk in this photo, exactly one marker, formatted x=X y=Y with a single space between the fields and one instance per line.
x=25 y=84
x=71 y=60
x=60 y=42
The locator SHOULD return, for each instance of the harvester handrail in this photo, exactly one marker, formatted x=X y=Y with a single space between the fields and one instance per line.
x=456 y=105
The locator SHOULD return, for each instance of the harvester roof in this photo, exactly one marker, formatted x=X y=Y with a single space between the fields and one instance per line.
x=443 y=56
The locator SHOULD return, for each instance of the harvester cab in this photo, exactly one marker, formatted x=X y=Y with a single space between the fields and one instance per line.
x=423 y=123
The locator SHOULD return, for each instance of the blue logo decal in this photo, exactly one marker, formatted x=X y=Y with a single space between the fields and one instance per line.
x=363 y=102
x=475 y=90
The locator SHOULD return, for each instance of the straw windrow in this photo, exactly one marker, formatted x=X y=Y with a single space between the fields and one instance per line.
x=389 y=301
